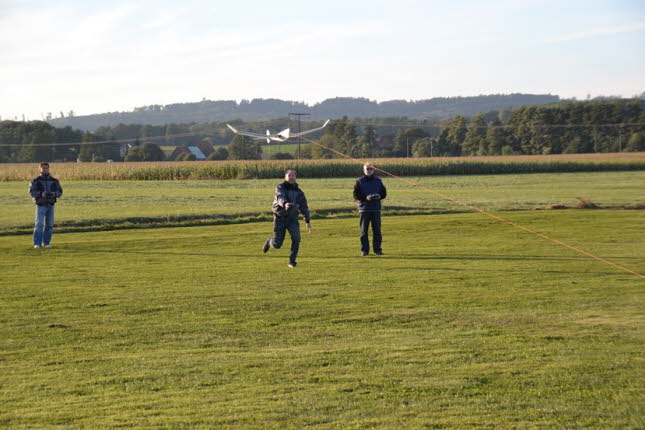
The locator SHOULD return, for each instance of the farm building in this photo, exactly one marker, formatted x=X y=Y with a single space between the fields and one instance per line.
x=201 y=149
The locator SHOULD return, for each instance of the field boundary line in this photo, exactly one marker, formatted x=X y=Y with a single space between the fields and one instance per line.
x=483 y=212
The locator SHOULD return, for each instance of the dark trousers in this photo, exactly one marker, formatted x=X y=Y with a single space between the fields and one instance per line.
x=375 y=219
x=280 y=227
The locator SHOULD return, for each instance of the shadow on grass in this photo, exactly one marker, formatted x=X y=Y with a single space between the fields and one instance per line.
x=404 y=257
x=284 y=256
x=95 y=225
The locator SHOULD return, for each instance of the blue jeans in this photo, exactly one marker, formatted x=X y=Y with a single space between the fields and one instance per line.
x=375 y=219
x=280 y=227
x=44 y=225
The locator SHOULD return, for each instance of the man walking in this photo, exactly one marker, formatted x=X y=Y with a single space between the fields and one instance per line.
x=44 y=190
x=369 y=191
x=288 y=202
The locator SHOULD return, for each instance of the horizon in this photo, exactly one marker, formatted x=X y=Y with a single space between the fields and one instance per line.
x=311 y=104
x=116 y=56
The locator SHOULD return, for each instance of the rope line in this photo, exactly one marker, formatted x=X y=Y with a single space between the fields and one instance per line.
x=483 y=212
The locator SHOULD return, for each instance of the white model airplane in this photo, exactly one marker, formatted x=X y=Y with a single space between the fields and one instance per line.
x=279 y=137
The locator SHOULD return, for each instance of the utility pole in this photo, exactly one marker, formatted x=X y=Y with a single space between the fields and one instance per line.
x=595 y=146
x=298 y=114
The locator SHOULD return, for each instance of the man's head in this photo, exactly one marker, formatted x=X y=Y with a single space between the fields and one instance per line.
x=290 y=176
x=368 y=168
x=44 y=168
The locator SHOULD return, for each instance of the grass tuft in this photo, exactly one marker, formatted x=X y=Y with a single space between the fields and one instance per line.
x=586 y=203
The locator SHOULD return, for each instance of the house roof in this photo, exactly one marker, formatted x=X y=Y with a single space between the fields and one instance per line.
x=198 y=152
x=206 y=147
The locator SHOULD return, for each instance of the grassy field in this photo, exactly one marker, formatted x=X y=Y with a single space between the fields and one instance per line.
x=465 y=322
x=114 y=204
x=291 y=148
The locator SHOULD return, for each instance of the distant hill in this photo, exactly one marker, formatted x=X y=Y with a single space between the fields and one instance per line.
x=264 y=109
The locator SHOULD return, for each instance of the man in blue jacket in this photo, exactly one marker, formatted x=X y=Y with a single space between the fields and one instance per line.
x=289 y=200
x=44 y=190
x=369 y=191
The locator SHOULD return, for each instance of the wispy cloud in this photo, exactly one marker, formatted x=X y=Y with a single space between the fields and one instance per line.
x=598 y=32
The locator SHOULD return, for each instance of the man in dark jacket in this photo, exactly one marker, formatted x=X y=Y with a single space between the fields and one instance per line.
x=369 y=191
x=288 y=202
x=44 y=190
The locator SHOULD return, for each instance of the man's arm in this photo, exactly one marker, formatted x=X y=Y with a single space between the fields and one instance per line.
x=59 y=190
x=382 y=192
x=281 y=196
x=304 y=208
x=34 y=189
x=358 y=194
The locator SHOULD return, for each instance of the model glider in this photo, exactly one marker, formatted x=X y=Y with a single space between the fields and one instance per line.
x=278 y=137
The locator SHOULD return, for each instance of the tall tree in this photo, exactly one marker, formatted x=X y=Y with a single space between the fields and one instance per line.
x=405 y=139
x=636 y=143
x=475 y=142
x=423 y=147
x=456 y=133
x=370 y=140
x=243 y=148
x=152 y=152
x=495 y=137
x=88 y=150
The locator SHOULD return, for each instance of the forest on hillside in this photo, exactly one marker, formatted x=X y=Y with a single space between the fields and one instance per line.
x=265 y=109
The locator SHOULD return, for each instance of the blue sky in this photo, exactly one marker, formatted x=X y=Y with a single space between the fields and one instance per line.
x=94 y=57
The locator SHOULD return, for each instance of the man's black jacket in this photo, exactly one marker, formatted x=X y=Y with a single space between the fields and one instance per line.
x=290 y=193
x=366 y=185
x=45 y=184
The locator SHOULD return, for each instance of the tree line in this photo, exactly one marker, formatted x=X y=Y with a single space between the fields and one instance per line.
x=563 y=127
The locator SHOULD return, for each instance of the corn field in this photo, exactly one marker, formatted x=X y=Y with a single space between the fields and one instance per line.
x=224 y=170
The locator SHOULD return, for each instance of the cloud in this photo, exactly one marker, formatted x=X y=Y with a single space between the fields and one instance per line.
x=598 y=32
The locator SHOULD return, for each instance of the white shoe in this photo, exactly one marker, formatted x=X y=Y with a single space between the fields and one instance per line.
x=36 y=246
x=48 y=246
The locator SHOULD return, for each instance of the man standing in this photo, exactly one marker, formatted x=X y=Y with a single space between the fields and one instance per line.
x=289 y=200
x=369 y=191
x=45 y=189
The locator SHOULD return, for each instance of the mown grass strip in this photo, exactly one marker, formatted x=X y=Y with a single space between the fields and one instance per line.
x=242 y=218
x=201 y=219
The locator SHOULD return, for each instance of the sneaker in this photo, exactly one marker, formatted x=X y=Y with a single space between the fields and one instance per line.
x=47 y=246
x=266 y=245
x=36 y=246
x=364 y=254
x=292 y=265
x=379 y=253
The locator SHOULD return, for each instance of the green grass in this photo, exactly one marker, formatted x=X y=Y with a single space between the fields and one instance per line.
x=465 y=322
x=291 y=148
x=124 y=204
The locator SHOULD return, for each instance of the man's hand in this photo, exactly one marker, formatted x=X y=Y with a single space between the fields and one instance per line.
x=43 y=194
x=308 y=227
x=288 y=206
x=369 y=197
